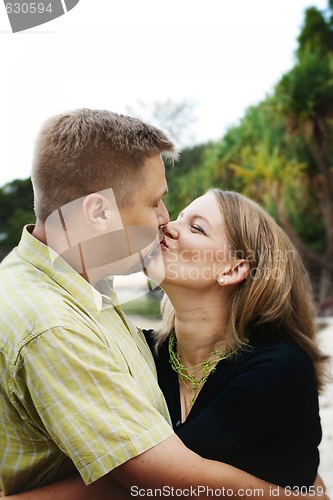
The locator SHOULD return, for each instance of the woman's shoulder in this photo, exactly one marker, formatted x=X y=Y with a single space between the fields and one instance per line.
x=279 y=348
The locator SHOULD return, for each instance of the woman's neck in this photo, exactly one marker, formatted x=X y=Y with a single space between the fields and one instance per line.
x=200 y=324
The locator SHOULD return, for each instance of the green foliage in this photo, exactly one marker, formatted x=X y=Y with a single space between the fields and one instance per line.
x=188 y=179
x=316 y=34
x=304 y=97
x=16 y=210
x=147 y=306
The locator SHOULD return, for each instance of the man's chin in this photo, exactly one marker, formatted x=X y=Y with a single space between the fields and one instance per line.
x=155 y=269
x=150 y=263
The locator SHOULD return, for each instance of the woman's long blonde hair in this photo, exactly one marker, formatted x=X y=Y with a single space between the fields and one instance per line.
x=276 y=292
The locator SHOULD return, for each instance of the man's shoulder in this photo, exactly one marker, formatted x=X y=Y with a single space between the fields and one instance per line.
x=32 y=309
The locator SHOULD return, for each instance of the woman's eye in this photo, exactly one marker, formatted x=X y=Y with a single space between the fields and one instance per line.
x=198 y=229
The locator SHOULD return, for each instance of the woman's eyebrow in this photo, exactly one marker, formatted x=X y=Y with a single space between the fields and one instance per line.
x=202 y=218
x=195 y=216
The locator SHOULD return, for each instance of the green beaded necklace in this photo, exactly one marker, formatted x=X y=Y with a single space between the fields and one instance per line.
x=205 y=367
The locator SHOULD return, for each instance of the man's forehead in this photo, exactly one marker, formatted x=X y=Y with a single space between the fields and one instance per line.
x=153 y=184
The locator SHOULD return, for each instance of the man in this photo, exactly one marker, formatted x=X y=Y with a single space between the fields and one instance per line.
x=78 y=389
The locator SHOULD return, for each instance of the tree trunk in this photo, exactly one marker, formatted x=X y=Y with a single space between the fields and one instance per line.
x=325 y=265
x=325 y=191
x=326 y=293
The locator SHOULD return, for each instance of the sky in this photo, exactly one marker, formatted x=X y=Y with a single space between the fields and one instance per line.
x=218 y=56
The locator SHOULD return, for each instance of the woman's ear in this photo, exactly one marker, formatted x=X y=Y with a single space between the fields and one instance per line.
x=237 y=272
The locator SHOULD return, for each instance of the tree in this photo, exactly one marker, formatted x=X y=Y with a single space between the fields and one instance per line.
x=281 y=153
x=174 y=118
x=304 y=97
x=316 y=34
x=188 y=179
x=16 y=210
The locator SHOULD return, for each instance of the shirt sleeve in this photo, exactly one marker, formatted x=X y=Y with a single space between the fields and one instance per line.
x=83 y=397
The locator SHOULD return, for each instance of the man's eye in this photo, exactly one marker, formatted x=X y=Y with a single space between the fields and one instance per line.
x=198 y=229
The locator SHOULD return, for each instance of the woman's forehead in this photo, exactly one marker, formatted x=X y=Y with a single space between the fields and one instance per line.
x=206 y=205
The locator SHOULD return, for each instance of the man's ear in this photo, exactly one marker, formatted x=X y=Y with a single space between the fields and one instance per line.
x=237 y=272
x=96 y=210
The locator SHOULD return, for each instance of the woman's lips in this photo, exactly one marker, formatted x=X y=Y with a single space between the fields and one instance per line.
x=164 y=243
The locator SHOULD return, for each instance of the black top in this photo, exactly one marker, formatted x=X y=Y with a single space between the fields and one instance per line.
x=258 y=411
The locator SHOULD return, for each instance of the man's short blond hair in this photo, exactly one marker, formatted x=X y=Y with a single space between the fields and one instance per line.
x=86 y=151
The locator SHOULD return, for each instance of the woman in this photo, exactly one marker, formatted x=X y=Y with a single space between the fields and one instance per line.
x=237 y=358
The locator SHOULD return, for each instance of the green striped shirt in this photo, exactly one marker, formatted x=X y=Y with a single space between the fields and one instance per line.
x=78 y=386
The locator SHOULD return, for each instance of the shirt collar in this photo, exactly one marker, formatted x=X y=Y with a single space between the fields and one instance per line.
x=49 y=262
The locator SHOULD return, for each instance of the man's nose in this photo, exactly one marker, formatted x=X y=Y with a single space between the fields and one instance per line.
x=162 y=214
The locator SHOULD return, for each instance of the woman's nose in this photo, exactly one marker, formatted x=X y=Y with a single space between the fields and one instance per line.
x=170 y=230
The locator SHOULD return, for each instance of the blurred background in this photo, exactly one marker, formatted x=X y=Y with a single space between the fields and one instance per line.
x=245 y=91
